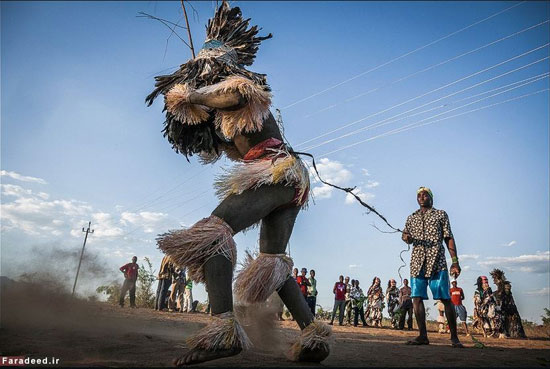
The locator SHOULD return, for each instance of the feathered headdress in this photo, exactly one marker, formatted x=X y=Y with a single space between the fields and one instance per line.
x=229 y=45
x=498 y=275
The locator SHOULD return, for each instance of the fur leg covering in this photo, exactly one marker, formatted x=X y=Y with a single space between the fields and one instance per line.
x=192 y=247
x=262 y=276
x=314 y=337
x=224 y=333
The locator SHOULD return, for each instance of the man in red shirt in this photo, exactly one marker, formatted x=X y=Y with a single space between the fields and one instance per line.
x=303 y=282
x=457 y=295
x=339 y=291
x=130 y=271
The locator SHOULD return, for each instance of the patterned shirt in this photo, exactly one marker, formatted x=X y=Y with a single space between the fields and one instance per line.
x=312 y=289
x=428 y=230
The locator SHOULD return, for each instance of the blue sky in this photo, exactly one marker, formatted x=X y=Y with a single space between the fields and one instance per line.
x=79 y=144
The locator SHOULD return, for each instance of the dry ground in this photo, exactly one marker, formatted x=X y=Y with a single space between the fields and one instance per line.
x=82 y=333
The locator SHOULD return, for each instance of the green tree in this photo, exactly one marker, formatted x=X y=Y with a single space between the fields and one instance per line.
x=546 y=317
x=144 y=289
x=112 y=291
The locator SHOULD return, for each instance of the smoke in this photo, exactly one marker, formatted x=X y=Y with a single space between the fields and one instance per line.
x=54 y=268
x=259 y=322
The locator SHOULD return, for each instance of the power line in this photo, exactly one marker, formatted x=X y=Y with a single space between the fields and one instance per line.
x=427 y=69
x=172 y=189
x=391 y=119
x=400 y=57
x=412 y=125
x=424 y=94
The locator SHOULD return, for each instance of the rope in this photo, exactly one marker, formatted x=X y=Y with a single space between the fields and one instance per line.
x=347 y=190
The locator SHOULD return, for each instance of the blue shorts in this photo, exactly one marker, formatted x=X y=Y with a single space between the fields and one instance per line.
x=439 y=285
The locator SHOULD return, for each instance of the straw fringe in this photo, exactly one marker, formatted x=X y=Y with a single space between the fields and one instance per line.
x=260 y=277
x=224 y=333
x=192 y=247
x=250 y=118
x=282 y=168
x=313 y=337
x=177 y=103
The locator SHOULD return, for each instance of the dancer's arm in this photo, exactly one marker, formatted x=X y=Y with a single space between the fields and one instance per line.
x=216 y=99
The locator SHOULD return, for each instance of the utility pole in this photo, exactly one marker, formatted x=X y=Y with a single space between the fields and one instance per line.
x=82 y=253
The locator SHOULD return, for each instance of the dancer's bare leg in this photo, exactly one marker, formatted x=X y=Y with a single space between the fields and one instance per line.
x=239 y=211
x=274 y=235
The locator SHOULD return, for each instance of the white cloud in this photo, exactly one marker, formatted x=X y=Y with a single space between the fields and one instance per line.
x=372 y=184
x=36 y=215
x=468 y=257
x=322 y=192
x=22 y=178
x=365 y=196
x=533 y=263
x=104 y=226
x=33 y=214
x=355 y=266
x=365 y=172
x=145 y=219
x=331 y=171
x=541 y=292
x=511 y=243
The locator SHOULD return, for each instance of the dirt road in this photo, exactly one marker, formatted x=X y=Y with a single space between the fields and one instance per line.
x=82 y=333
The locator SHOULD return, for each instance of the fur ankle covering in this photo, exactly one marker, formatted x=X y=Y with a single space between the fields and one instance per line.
x=315 y=336
x=192 y=247
x=224 y=333
x=262 y=276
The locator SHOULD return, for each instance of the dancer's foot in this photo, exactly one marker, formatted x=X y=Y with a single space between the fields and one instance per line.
x=418 y=341
x=312 y=355
x=196 y=356
x=455 y=342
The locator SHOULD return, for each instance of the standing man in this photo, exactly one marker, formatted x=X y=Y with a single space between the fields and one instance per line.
x=165 y=280
x=406 y=306
x=457 y=295
x=303 y=282
x=178 y=286
x=348 y=298
x=130 y=271
x=312 y=291
x=339 y=291
x=426 y=229
x=188 y=295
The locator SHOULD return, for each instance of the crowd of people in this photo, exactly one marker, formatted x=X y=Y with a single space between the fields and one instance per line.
x=495 y=313
x=174 y=288
x=349 y=299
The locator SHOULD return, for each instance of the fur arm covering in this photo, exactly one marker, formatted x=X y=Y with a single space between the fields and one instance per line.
x=251 y=116
x=224 y=333
x=177 y=102
x=262 y=276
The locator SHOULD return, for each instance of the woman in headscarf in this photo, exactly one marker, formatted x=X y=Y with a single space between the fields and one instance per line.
x=392 y=299
x=375 y=300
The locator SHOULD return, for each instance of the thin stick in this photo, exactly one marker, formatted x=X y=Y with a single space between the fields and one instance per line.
x=166 y=23
x=188 y=30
